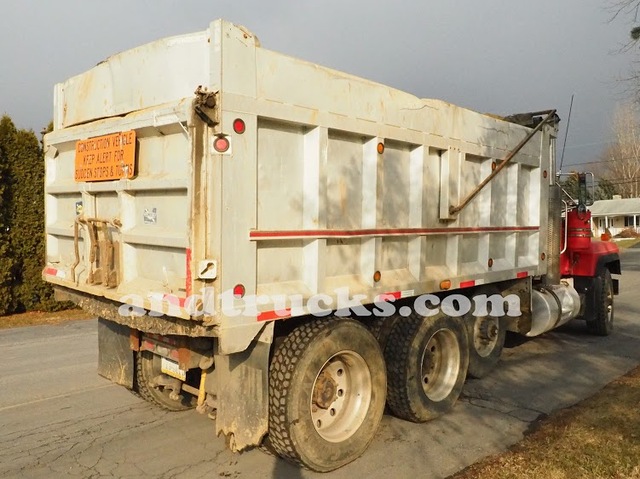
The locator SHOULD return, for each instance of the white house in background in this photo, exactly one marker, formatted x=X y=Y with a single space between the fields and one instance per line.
x=617 y=214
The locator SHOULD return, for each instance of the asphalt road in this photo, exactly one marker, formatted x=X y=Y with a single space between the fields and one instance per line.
x=58 y=418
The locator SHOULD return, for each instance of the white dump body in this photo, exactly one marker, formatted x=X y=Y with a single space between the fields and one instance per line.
x=302 y=203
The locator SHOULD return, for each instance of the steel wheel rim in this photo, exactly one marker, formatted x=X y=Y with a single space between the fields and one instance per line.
x=485 y=335
x=609 y=303
x=440 y=364
x=346 y=380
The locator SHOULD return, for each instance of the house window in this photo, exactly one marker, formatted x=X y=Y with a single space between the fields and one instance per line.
x=628 y=221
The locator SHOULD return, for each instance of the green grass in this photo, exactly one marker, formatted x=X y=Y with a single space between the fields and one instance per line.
x=598 y=438
x=627 y=243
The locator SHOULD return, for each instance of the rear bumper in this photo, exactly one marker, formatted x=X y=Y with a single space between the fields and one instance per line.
x=109 y=309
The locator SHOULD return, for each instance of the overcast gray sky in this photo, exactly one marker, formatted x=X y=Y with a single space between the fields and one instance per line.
x=499 y=56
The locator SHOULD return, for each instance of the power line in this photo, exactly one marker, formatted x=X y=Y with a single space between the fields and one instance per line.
x=616 y=180
x=627 y=181
x=594 y=162
x=595 y=143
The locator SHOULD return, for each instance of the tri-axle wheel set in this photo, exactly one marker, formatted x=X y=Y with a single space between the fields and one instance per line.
x=331 y=378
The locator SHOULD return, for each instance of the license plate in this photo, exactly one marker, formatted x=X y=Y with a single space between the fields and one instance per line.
x=109 y=157
x=172 y=369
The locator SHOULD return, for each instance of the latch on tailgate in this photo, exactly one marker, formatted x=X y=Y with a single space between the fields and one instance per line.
x=205 y=106
x=103 y=252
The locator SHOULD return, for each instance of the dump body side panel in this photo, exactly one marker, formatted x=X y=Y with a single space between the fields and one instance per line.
x=331 y=211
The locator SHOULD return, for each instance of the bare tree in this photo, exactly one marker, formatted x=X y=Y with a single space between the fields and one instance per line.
x=627 y=8
x=629 y=11
x=621 y=160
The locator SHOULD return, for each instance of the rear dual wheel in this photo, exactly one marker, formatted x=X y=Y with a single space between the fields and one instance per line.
x=427 y=360
x=381 y=327
x=153 y=386
x=326 y=393
x=486 y=342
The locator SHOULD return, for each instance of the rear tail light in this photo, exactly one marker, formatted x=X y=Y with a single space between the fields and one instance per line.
x=238 y=291
x=238 y=126
x=221 y=144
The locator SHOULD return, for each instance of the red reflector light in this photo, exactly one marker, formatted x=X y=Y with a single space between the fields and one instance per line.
x=239 y=126
x=221 y=144
x=50 y=271
x=238 y=291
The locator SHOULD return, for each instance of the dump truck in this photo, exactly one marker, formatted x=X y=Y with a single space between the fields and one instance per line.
x=289 y=249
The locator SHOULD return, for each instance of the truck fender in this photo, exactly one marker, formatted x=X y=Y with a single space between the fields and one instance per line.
x=609 y=261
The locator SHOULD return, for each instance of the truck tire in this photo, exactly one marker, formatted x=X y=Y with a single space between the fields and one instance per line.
x=427 y=360
x=601 y=322
x=486 y=341
x=327 y=386
x=380 y=328
x=147 y=368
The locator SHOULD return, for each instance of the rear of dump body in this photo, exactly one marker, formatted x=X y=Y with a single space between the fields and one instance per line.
x=337 y=186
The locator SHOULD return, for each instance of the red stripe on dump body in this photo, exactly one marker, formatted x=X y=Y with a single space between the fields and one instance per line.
x=257 y=234
x=389 y=296
x=173 y=299
x=271 y=315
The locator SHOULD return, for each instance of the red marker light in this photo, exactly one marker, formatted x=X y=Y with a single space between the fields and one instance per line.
x=221 y=144
x=238 y=291
x=238 y=126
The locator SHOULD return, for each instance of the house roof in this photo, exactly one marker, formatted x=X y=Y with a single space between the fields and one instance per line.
x=618 y=207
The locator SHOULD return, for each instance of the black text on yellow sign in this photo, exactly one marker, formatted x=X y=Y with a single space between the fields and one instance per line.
x=109 y=157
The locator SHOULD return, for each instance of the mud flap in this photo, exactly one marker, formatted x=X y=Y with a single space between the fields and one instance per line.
x=243 y=396
x=115 y=357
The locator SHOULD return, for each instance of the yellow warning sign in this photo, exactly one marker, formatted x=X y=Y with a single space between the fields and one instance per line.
x=109 y=157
